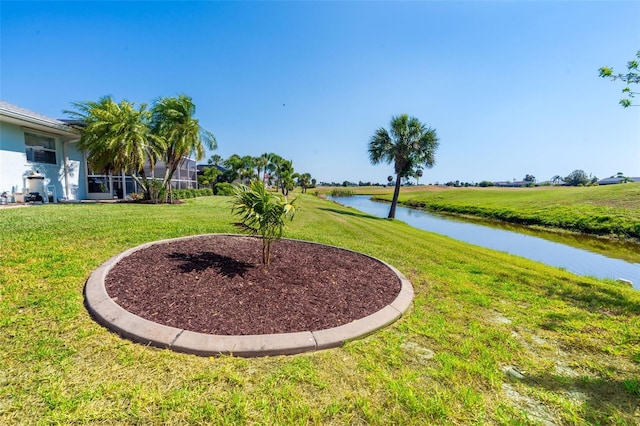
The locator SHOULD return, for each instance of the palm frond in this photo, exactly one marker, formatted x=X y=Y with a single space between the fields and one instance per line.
x=262 y=212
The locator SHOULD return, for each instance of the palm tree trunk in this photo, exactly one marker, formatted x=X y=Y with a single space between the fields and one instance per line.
x=144 y=182
x=141 y=181
x=394 y=201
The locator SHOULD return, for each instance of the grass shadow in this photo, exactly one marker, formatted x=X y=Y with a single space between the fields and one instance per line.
x=600 y=398
x=350 y=213
x=593 y=297
x=198 y=262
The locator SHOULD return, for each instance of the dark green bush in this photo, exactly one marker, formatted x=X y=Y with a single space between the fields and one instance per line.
x=183 y=194
x=224 y=188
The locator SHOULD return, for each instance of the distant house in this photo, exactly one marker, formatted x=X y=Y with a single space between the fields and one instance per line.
x=514 y=184
x=615 y=180
x=610 y=181
x=31 y=142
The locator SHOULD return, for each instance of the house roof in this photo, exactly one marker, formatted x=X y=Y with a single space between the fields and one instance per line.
x=15 y=114
x=610 y=180
x=615 y=179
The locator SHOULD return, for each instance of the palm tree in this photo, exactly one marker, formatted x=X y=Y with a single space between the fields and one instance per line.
x=262 y=212
x=284 y=173
x=172 y=120
x=247 y=172
x=275 y=162
x=261 y=164
x=282 y=170
x=233 y=165
x=215 y=160
x=408 y=144
x=418 y=174
x=117 y=137
x=303 y=180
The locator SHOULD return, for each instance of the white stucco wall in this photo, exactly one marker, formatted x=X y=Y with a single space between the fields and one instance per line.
x=13 y=159
x=14 y=167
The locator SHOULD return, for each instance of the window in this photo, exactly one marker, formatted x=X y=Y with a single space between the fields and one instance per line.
x=40 y=149
x=98 y=184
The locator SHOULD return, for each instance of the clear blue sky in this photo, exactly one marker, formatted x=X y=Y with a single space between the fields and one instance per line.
x=511 y=87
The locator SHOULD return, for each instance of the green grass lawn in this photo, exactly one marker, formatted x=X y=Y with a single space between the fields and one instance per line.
x=612 y=210
x=479 y=317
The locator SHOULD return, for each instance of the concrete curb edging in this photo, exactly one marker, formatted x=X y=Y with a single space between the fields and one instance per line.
x=111 y=315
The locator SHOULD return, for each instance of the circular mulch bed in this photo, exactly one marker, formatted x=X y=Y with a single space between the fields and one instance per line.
x=216 y=284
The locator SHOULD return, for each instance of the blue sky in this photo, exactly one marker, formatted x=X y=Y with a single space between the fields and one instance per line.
x=511 y=87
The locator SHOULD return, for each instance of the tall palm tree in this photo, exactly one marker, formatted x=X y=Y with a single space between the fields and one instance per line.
x=261 y=164
x=303 y=179
x=247 y=173
x=408 y=144
x=173 y=120
x=274 y=167
x=284 y=174
x=233 y=165
x=117 y=138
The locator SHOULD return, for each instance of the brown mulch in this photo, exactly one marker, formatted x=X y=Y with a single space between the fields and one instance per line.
x=218 y=285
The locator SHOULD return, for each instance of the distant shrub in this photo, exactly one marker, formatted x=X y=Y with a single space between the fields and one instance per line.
x=224 y=188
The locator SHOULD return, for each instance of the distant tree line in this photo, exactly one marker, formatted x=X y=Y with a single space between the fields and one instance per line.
x=269 y=168
x=575 y=178
x=347 y=183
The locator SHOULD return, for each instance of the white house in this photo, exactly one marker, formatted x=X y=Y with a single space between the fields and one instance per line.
x=40 y=154
x=32 y=143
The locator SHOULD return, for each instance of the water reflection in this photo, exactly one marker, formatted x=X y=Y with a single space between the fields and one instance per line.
x=578 y=254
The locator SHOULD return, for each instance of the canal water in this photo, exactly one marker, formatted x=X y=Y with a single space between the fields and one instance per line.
x=580 y=258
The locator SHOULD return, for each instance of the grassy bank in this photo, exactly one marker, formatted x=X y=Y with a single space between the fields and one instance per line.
x=612 y=210
x=490 y=339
